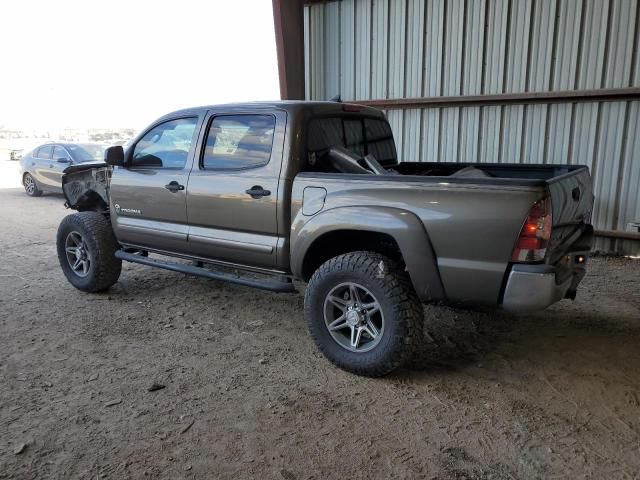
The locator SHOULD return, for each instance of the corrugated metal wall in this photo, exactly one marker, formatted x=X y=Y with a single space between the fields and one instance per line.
x=384 y=49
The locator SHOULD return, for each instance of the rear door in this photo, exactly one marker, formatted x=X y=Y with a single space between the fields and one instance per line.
x=148 y=195
x=233 y=189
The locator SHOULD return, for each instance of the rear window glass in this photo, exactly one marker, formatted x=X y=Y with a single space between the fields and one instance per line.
x=379 y=141
x=362 y=136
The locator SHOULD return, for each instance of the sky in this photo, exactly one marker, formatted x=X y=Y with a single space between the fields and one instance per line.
x=115 y=63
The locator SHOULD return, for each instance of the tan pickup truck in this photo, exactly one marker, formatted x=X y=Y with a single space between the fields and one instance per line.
x=261 y=194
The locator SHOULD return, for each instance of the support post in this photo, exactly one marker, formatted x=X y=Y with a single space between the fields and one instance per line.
x=288 y=20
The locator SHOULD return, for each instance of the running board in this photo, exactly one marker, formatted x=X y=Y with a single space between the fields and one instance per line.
x=271 y=285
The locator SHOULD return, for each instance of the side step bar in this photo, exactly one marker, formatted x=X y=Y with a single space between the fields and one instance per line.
x=271 y=285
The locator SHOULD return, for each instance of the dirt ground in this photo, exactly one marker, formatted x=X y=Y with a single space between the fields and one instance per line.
x=551 y=395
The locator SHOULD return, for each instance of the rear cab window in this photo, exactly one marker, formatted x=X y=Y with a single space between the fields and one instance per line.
x=360 y=135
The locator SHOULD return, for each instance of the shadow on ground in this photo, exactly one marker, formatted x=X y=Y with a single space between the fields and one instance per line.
x=454 y=337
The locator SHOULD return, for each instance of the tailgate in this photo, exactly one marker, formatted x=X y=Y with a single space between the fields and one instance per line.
x=572 y=203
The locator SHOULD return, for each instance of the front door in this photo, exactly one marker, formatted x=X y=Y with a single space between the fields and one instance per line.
x=233 y=189
x=148 y=195
x=43 y=159
x=59 y=161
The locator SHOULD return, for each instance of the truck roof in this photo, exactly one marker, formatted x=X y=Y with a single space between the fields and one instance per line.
x=315 y=107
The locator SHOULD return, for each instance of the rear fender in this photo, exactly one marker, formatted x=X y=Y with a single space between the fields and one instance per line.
x=403 y=226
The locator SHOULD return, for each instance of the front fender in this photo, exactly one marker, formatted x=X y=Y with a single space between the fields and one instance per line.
x=86 y=186
x=403 y=226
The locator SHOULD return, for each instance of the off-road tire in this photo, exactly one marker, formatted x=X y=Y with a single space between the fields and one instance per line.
x=391 y=286
x=101 y=245
x=33 y=190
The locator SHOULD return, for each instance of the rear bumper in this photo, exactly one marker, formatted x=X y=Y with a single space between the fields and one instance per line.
x=535 y=287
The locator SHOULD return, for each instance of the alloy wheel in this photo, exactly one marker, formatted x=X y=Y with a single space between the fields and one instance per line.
x=29 y=184
x=353 y=317
x=77 y=254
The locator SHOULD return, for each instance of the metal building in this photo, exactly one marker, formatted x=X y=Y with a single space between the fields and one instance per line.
x=526 y=81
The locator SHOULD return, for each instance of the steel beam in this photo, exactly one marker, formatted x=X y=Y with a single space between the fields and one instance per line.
x=569 y=96
x=288 y=21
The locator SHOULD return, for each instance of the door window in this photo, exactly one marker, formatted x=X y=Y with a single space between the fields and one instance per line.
x=238 y=141
x=45 y=152
x=60 y=153
x=166 y=145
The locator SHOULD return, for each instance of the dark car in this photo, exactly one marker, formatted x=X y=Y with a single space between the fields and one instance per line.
x=43 y=166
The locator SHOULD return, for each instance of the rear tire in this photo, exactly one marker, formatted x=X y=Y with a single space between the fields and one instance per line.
x=30 y=185
x=363 y=313
x=86 y=251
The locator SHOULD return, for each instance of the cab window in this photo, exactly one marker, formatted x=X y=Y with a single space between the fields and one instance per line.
x=166 y=145
x=238 y=142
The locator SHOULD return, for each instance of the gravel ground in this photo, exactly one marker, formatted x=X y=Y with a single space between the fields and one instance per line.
x=245 y=393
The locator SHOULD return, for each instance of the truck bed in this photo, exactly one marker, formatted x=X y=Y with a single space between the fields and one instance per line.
x=472 y=221
x=491 y=172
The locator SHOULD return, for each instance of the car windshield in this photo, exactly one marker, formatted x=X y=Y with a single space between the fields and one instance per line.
x=85 y=152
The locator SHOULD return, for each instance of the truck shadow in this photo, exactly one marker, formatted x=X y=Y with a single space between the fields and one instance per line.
x=454 y=338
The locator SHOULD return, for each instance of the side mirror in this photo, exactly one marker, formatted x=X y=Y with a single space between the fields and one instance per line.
x=64 y=160
x=114 y=156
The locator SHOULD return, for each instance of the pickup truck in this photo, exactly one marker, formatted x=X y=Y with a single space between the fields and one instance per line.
x=262 y=194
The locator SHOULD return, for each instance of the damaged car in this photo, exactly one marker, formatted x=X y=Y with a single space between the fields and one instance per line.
x=265 y=194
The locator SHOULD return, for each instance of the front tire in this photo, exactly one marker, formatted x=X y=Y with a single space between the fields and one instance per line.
x=30 y=185
x=363 y=313
x=86 y=251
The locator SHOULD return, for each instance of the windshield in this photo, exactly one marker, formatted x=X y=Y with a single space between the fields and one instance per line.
x=86 y=152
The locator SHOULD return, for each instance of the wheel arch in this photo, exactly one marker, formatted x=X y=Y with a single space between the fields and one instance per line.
x=393 y=232
x=336 y=242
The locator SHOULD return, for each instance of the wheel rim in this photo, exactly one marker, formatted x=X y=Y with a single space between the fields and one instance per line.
x=29 y=184
x=353 y=317
x=77 y=254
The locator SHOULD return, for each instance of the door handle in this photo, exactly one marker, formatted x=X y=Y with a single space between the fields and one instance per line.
x=174 y=187
x=257 y=191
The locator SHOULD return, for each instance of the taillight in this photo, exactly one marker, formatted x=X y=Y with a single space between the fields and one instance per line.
x=535 y=234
